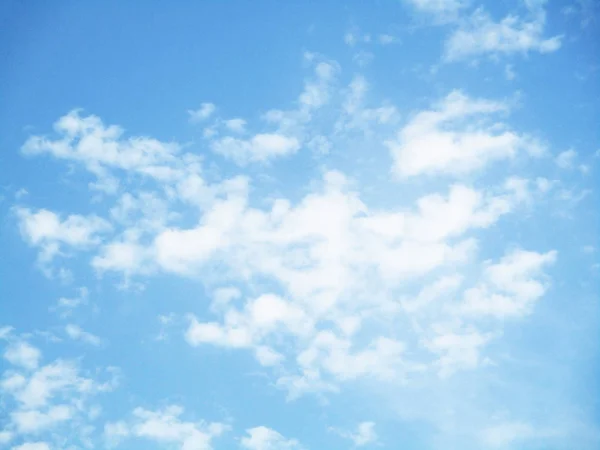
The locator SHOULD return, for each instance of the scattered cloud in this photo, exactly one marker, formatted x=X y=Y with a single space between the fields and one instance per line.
x=479 y=35
x=165 y=426
x=201 y=114
x=65 y=306
x=76 y=333
x=236 y=125
x=511 y=286
x=442 y=11
x=457 y=136
x=47 y=231
x=32 y=446
x=260 y=148
x=23 y=354
x=263 y=438
x=47 y=399
x=566 y=159
x=364 y=435
x=324 y=286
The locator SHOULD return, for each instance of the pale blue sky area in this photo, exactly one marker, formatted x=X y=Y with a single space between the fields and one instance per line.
x=299 y=225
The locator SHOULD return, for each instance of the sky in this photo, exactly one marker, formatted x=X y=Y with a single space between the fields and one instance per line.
x=299 y=225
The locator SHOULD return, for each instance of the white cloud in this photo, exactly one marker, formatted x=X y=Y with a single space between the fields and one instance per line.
x=357 y=116
x=104 y=151
x=456 y=137
x=76 y=333
x=364 y=435
x=47 y=231
x=165 y=426
x=23 y=354
x=479 y=35
x=50 y=400
x=259 y=148
x=66 y=305
x=5 y=437
x=223 y=296
x=330 y=287
x=201 y=114
x=509 y=72
x=510 y=287
x=242 y=329
x=56 y=379
x=236 y=125
x=386 y=39
x=319 y=251
x=32 y=446
x=34 y=421
x=441 y=10
x=263 y=438
x=566 y=159
x=115 y=432
x=456 y=350
x=507 y=433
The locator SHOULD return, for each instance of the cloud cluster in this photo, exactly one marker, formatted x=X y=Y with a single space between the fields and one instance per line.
x=324 y=288
x=43 y=400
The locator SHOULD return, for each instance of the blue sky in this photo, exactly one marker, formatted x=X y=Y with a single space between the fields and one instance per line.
x=299 y=225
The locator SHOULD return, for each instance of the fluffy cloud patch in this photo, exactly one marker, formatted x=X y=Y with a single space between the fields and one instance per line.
x=456 y=137
x=511 y=286
x=165 y=426
x=103 y=150
x=32 y=446
x=363 y=435
x=76 y=333
x=47 y=400
x=480 y=35
x=23 y=354
x=264 y=438
x=260 y=148
x=203 y=113
x=441 y=10
x=47 y=231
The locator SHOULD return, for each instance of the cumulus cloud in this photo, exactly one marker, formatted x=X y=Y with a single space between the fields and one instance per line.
x=503 y=434
x=48 y=399
x=32 y=446
x=236 y=125
x=363 y=435
x=456 y=137
x=76 y=333
x=511 y=286
x=66 y=305
x=201 y=114
x=47 y=231
x=326 y=287
x=566 y=159
x=443 y=10
x=104 y=152
x=23 y=354
x=264 y=438
x=259 y=148
x=480 y=35
x=165 y=426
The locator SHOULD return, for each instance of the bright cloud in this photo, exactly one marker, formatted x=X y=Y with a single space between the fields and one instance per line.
x=23 y=354
x=480 y=35
x=165 y=426
x=259 y=148
x=263 y=438
x=203 y=113
x=364 y=435
x=76 y=333
x=376 y=239
x=456 y=137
